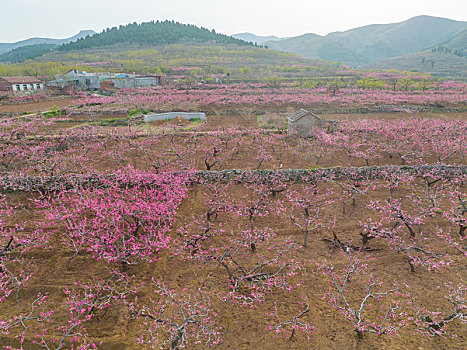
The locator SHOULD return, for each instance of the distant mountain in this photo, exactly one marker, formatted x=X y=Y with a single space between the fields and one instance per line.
x=448 y=59
x=153 y=33
x=291 y=44
x=6 y=47
x=372 y=43
x=252 y=38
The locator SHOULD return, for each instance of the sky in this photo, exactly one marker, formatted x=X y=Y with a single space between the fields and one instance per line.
x=23 y=19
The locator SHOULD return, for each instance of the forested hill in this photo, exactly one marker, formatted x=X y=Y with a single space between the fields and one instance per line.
x=25 y=53
x=154 y=33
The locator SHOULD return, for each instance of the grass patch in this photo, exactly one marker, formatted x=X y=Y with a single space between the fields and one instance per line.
x=272 y=121
x=195 y=121
x=113 y=122
x=55 y=112
x=134 y=112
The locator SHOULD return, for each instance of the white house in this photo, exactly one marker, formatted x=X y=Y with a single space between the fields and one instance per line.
x=20 y=84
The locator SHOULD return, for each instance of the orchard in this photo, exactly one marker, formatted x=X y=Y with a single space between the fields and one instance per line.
x=237 y=238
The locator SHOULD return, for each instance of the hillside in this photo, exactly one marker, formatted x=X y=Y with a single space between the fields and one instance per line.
x=435 y=63
x=456 y=46
x=154 y=33
x=373 y=43
x=6 y=47
x=193 y=61
x=190 y=60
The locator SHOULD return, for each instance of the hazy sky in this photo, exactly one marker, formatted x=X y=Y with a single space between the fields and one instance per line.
x=21 y=19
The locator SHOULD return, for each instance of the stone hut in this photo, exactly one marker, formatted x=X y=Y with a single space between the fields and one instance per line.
x=302 y=121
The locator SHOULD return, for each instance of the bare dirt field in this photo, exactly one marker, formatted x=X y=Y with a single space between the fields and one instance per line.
x=244 y=327
x=35 y=106
x=215 y=122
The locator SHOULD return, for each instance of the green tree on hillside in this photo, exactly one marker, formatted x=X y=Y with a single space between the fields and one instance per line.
x=153 y=33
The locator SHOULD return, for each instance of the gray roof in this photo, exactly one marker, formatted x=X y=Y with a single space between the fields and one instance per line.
x=300 y=114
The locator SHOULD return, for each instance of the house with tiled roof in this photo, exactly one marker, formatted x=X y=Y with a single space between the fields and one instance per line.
x=20 y=84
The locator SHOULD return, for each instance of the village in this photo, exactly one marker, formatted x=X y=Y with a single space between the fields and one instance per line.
x=82 y=80
x=300 y=122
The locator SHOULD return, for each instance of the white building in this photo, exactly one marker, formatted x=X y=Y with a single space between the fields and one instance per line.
x=20 y=84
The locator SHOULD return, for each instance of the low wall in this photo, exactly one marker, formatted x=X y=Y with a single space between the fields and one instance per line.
x=9 y=183
x=335 y=173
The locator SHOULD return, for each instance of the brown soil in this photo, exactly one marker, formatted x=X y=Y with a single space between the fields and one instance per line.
x=216 y=122
x=243 y=327
x=35 y=106
x=157 y=123
x=178 y=121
